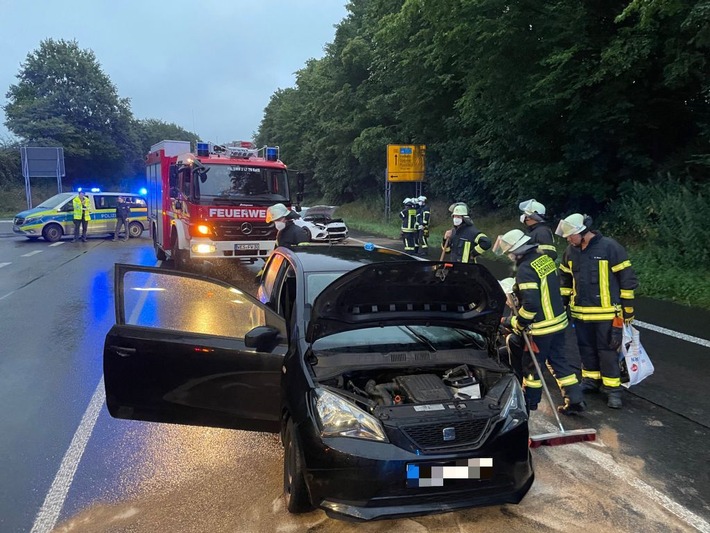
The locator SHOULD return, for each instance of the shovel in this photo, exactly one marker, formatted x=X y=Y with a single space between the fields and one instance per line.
x=563 y=436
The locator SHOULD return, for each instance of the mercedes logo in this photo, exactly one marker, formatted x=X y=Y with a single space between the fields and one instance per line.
x=247 y=228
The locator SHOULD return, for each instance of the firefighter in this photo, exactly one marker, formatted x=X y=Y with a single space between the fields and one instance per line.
x=536 y=227
x=423 y=234
x=289 y=234
x=598 y=282
x=410 y=225
x=464 y=242
x=82 y=214
x=542 y=314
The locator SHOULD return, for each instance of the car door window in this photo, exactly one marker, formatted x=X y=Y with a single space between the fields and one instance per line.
x=271 y=273
x=187 y=304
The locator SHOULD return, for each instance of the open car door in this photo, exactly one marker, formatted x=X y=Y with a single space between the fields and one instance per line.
x=187 y=349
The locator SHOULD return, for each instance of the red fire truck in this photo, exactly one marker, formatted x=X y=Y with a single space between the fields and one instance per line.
x=210 y=204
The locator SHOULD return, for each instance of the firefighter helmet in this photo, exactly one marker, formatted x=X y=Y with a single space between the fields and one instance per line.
x=572 y=225
x=513 y=242
x=530 y=207
x=459 y=210
x=277 y=211
x=421 y=199
x=453 y=206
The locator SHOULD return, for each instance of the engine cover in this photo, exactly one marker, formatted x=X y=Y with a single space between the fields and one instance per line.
x=423 y=388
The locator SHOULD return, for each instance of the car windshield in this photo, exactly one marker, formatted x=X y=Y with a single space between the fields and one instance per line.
x=316 y=282
x=54 y=201
x=399 y=338
x=238 y=181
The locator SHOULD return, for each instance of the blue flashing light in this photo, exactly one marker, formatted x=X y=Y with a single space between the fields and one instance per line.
x=272 y=153
x=203 y=149
x=79 y=189
x=369 y=246
x=143 y=191
x=95 y=189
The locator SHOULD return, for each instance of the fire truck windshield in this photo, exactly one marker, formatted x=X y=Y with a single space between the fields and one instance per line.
x=240 y=181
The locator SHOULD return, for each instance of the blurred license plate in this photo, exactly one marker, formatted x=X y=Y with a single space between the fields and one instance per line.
x=242 y=247
x=436 y=474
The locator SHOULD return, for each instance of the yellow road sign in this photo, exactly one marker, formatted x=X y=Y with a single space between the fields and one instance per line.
x=405 y=162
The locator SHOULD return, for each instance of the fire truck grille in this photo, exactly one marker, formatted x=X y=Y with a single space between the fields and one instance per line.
x=244 y=231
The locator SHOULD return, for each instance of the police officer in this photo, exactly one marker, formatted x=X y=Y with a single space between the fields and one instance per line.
x=289 y=234
x=424 y=219
x=599 y=283
x=410 y=225
x=537 y=229
x=542 y=314
x=464 y=242
x=82 y=214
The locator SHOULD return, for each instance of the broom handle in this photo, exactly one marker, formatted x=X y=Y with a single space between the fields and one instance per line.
x=511 y=304
x=443 y=250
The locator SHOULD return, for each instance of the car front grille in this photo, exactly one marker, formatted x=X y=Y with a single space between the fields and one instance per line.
x=18 y=221
x=429 y=437
x=235 y=231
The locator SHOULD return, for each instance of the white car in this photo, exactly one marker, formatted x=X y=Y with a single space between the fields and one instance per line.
x=319 y=222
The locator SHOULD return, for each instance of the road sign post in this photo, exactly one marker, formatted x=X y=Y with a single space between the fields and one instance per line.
x=405 y=163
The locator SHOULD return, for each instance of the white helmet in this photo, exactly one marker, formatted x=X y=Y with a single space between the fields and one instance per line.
x=421 y=199
x=572 y=225
x=513 y=242
x=530 y=207
x=453 y=206
x=459 y=210
x=277 y=211
x=407 y=201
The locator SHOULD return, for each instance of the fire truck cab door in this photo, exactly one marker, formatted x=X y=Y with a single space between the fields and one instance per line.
x=187 y=349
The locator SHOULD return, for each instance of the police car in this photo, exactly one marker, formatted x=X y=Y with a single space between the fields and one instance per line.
x=54 y=218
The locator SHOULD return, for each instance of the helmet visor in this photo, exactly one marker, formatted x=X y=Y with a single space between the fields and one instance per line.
x=565 y=229
x=501 y=246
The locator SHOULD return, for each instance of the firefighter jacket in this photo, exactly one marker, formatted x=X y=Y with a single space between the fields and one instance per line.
x=538 y=288
x=598 y=280
x=467 y=242
x=82 y=210
x=410 y=219
x=291 y=235
x=541 y=234
x=424 y=215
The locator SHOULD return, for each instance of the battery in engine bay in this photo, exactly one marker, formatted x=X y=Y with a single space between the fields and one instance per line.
x=423 y=388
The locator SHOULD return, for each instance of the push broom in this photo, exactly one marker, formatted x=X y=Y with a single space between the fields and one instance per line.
x=563 y=436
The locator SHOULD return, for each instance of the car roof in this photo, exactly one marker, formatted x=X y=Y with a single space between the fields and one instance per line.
x=340 y=257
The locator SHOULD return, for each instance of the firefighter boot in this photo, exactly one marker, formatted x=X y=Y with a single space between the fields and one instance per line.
x=591 y=385
x=570 y=408
x=613 y=399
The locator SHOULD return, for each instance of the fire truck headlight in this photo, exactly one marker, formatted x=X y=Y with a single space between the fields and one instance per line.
x=204 y=248
x=203 y=229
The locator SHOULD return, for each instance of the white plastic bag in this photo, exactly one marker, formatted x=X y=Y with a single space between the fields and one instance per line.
x=633 y=356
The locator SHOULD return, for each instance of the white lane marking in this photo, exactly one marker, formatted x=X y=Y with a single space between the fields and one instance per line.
x=671 y=333
x=629 y=476
x=30 y=254
x=6 y=295
x=58 y=243
x=4 y=264
x=48 y=514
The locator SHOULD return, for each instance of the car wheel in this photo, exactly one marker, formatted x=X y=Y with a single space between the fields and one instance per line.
x=52 y=232
x=135 y=230
x=160 y=254
x=177 y=255
x=295 y=489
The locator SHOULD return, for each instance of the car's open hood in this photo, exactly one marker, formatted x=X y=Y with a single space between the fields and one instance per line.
x=321 y=211
x=459 y=295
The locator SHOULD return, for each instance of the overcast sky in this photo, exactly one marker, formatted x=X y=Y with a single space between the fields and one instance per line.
x=208 y=66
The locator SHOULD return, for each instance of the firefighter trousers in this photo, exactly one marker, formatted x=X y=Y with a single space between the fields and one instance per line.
x=551 y=354
x=599 y=360
x=410 y=240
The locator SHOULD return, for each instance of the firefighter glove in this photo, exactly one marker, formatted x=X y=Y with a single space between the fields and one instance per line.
x=426 y=231
x=628 y=315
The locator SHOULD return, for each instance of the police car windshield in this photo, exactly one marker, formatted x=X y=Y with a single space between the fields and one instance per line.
x=54 y=201
x=239 y=181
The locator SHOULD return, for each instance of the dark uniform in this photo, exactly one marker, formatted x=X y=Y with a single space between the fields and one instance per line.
x=543 y=315
x=291 y=235
x=410 y=227
x=598 y=281
x=541 y=234
x=467 y=242
x=424 y=218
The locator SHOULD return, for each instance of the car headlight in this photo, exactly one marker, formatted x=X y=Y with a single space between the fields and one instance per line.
x=513 y=412
x=340 y=418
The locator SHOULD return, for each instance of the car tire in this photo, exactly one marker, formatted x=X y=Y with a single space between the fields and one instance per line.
x=52 y=232
x=177 y=255
x=160 y=254
x=295 y=489
x=135 y=230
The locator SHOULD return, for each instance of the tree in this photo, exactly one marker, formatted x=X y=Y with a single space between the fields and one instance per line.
x=63 y=98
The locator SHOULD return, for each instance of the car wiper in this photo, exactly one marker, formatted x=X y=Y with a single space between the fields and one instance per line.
x=421 y=338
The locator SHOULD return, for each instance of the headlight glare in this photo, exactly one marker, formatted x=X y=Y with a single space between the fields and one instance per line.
x=340 y=418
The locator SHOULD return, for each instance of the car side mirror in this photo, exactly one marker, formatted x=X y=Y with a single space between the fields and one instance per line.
x=262 y=338
x=300 y=182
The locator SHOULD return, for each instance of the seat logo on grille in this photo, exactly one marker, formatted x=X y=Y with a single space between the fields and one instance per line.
x=247 y=228
x=449 y=434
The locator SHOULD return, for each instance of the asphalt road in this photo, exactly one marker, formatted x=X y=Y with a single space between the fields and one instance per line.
x=66 y=465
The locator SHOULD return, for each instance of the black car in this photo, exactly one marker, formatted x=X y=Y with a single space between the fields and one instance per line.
x=380 y=372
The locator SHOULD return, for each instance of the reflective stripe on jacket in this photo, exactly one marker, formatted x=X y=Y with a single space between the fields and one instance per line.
x=538 y=285
x=598 y=279
x=410 y=219
x=78 y=211
x=468 y=242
